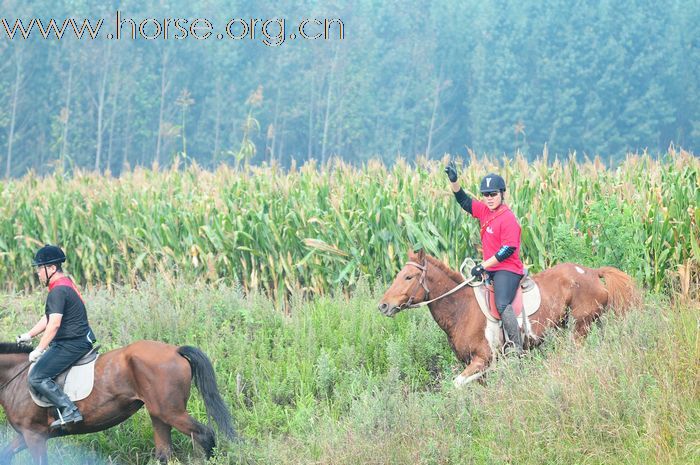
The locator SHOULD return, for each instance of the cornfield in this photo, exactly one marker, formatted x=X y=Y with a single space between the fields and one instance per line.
x=318 y=229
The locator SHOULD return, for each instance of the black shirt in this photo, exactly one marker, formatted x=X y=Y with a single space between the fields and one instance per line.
x=64 y=299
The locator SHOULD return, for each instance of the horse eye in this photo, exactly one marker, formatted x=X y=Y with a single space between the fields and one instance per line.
x=409 y=277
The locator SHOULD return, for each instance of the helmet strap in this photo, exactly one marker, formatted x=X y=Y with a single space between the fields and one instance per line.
x=48 y=278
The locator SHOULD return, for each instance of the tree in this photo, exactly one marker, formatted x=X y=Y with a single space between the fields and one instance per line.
x=18 y=58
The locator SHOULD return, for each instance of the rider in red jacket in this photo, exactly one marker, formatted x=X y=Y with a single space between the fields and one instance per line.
x=500 y=238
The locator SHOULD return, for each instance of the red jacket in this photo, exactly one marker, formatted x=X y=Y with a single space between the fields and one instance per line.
x=499 y=228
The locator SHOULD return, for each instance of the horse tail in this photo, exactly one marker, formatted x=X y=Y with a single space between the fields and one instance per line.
x=205 y=380
x=623 y=293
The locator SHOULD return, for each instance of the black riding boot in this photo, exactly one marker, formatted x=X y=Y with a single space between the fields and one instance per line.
x=510 y=327
x=67 y=411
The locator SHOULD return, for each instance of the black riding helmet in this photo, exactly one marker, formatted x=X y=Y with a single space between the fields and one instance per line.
x=49 y=255
x=492 y=183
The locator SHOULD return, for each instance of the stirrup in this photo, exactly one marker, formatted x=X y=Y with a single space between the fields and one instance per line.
x=72 y=417
x=512 y=351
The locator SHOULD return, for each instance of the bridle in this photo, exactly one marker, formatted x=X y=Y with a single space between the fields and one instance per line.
x=421 y=280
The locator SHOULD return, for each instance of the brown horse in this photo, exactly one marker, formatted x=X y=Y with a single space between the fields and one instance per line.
x=148 y=373
x=563 y=287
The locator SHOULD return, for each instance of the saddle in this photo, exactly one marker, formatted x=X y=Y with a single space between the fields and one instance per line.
x=527 y=298
x=77 y=381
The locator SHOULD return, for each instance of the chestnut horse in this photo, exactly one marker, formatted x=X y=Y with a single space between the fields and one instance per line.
x=148 y=373
x=566 y=290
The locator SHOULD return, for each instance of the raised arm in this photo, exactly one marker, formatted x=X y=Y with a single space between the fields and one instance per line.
x=460 y=196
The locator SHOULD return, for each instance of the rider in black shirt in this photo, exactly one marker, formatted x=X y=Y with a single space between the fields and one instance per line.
x=67 y=335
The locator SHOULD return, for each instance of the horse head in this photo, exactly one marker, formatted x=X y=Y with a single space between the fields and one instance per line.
x=409 y=287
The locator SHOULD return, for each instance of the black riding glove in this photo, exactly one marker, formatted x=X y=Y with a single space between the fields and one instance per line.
x=477 y=271
x=451 y=171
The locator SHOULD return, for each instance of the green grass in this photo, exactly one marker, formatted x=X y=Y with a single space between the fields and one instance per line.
x=335 y=382
x=319 y=376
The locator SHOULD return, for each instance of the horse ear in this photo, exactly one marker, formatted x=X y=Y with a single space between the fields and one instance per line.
x=417 y=254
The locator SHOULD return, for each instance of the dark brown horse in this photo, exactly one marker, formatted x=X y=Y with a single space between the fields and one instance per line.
x=148 y=373
x=567 y=290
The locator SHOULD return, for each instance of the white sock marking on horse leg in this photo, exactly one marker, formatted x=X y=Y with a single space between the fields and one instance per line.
x=494 y=336
x=461 y=381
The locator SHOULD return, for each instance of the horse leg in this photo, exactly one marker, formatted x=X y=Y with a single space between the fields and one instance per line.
x=36 y=443
x=188 y=426
x=170 y=410
x=474 y=370
x=581 y=329
x=584 y=315
x=15 y=446
x=163 y=440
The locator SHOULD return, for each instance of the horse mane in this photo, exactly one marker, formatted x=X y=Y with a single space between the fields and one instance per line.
x=457 y=277
x=14 y=348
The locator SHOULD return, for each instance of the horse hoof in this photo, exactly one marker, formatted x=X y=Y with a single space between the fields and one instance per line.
x=461 y=381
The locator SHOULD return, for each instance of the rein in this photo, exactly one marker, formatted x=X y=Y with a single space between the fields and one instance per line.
x=6 y=383
x=423 y=268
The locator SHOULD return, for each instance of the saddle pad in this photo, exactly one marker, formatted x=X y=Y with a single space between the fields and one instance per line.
x=517 y=302
x=531 y=299
x=77 y=383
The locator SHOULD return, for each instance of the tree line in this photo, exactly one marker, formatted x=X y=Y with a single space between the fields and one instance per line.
x=405 y=79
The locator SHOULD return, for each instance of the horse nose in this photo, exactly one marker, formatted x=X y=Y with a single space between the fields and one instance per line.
x=383 y=306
